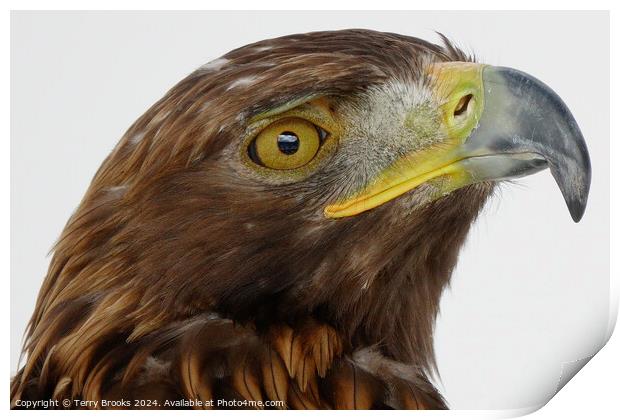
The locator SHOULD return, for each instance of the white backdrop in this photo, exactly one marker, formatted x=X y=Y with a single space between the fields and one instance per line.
x=531 y=291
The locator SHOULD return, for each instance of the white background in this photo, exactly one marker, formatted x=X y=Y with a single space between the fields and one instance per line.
x=531 y=288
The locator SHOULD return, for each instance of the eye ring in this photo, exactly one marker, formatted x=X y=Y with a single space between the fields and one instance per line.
x=287 y=144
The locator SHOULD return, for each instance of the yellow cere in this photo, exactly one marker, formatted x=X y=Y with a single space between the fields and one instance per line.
x=457 y=88
x=455 y=82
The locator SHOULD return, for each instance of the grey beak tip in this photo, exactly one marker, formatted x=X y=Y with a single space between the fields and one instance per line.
x=544 y=125
x=576 y=194
x=576 y=211
x=574 y=179
x=574 y=185
x=577 y=207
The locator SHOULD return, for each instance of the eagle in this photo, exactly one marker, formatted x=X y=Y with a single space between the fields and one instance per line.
x=277 y=230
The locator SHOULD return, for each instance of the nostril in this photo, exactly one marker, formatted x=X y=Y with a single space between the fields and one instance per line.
x=461 y=107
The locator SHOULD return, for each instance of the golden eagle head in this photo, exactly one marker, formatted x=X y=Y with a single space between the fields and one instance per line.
x=331 y=175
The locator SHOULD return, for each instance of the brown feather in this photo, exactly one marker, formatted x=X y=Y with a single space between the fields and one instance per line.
x=60 y=390
x=275 y=378
x=195 y=383
x=289 y=349
x=300 y=400
x=245 y=381
x=353 y=389
x=408 y=398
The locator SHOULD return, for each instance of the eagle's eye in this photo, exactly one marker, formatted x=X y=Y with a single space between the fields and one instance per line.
x=288 y=143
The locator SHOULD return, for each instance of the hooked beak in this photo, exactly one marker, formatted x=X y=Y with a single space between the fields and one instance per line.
x=504 y=124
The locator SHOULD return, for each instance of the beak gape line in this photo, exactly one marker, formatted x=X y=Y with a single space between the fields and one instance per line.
x=507 y=124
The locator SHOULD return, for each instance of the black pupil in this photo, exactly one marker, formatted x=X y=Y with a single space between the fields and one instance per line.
x=288 y=143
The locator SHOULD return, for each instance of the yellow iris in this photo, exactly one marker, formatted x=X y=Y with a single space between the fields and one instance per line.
x=288 y=143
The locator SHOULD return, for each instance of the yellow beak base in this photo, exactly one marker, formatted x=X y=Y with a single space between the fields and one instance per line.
x=452 y=82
